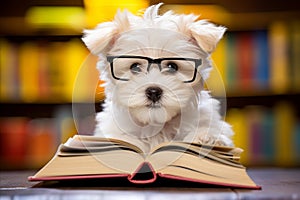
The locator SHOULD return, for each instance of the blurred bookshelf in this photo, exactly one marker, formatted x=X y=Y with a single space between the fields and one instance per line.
x=41 y=62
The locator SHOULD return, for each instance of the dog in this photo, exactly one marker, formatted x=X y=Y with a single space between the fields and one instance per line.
x=154 y=68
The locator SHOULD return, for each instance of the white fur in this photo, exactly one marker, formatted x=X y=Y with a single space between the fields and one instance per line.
x=185 y=112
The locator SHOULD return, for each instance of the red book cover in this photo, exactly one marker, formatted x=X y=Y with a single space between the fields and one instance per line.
x=245 y=60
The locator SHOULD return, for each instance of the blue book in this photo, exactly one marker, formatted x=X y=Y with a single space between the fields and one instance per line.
x=296 y=143
x=261 y=62
x=268 y=147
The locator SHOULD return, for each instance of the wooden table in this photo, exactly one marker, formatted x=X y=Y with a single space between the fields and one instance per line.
x=276 y=184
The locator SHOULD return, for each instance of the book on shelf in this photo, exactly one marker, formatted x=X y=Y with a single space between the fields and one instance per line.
x=245 y=55
x=91 y=157
x=279 y=63
x=269 y=136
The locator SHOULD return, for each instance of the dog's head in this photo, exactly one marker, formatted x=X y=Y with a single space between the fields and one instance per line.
x=153 y=64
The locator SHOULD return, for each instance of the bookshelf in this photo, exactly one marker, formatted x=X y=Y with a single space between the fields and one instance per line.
x=260 y=79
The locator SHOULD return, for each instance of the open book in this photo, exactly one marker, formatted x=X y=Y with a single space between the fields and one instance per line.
x=86 y=157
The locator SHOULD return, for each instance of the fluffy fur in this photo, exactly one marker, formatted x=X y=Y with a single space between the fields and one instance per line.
x=185 y=112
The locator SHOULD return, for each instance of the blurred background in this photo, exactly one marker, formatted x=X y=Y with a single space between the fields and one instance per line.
x=49 y=84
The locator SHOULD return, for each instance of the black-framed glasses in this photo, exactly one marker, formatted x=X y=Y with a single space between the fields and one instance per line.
x=125 y=67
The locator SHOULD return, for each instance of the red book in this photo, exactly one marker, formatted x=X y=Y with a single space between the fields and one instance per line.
x=245 y=60
x=13 y=142
x=90 y=157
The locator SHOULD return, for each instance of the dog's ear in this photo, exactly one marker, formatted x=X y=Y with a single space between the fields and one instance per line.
x=99 y=40
x=206 y=34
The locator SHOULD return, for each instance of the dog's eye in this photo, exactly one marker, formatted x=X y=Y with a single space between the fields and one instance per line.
x=135 y=68
x=172 y=67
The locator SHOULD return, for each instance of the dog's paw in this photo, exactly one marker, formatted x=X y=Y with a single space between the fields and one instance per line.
x=218 y=140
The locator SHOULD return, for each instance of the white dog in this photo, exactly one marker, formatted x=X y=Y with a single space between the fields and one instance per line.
x=154 y=67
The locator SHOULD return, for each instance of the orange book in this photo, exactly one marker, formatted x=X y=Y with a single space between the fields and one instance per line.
x=41 y=135
x=29 y=71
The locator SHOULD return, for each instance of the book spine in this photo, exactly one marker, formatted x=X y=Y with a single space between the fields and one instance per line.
x=254 y=118
x=231 y=64
x=216 y=82
x=296 y=143
x=237 y=118
x=42 y=142
x=9 y=76
x=245 y=60
x=279 y=65
x=43 y=73
x=268 y=139
x=144 y=174
x=73 y=58
x=29 y=71
x=4 y=69
x=295 y=52
x=284 y=122
x=261 y=60
x=13 y=140
x=86 y=84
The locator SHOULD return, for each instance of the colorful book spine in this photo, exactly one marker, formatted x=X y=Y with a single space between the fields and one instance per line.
x=217 y=82
x=254 y=117
x=296 y=143
x=284 y=122
x=245 y=60
x=238 y=121
x=29 y=143
x=279 y=59
x=43 y=77
x=268 y=145
x=231 y=64
x=295 y=58
x=13 y=141
x=29 y=71
x=261 y=60
x=41 y=135
x=269 y=136
x=9 y=71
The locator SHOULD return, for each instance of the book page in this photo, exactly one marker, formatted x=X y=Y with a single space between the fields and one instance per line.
x=94 y=143
x=225 y=155
x=105 y=163
x=199 y=169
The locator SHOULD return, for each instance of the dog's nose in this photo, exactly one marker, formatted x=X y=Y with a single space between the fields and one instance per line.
x=154 y=93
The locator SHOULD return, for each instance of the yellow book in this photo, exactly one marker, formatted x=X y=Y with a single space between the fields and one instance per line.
x=66 y=60
x=29 y=71
x=217 y=80
x=86 y=81
x=5 y=69
x=238 y=119
x=74 y=54
x=284 y=122
x=9 y=71
x=295 y=52
x=279 y=59
x=56 y=67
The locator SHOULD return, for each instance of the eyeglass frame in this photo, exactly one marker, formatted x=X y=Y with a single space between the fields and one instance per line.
x=151 y=61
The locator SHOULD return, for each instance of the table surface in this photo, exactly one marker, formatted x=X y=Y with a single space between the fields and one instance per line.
x=277 y=183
